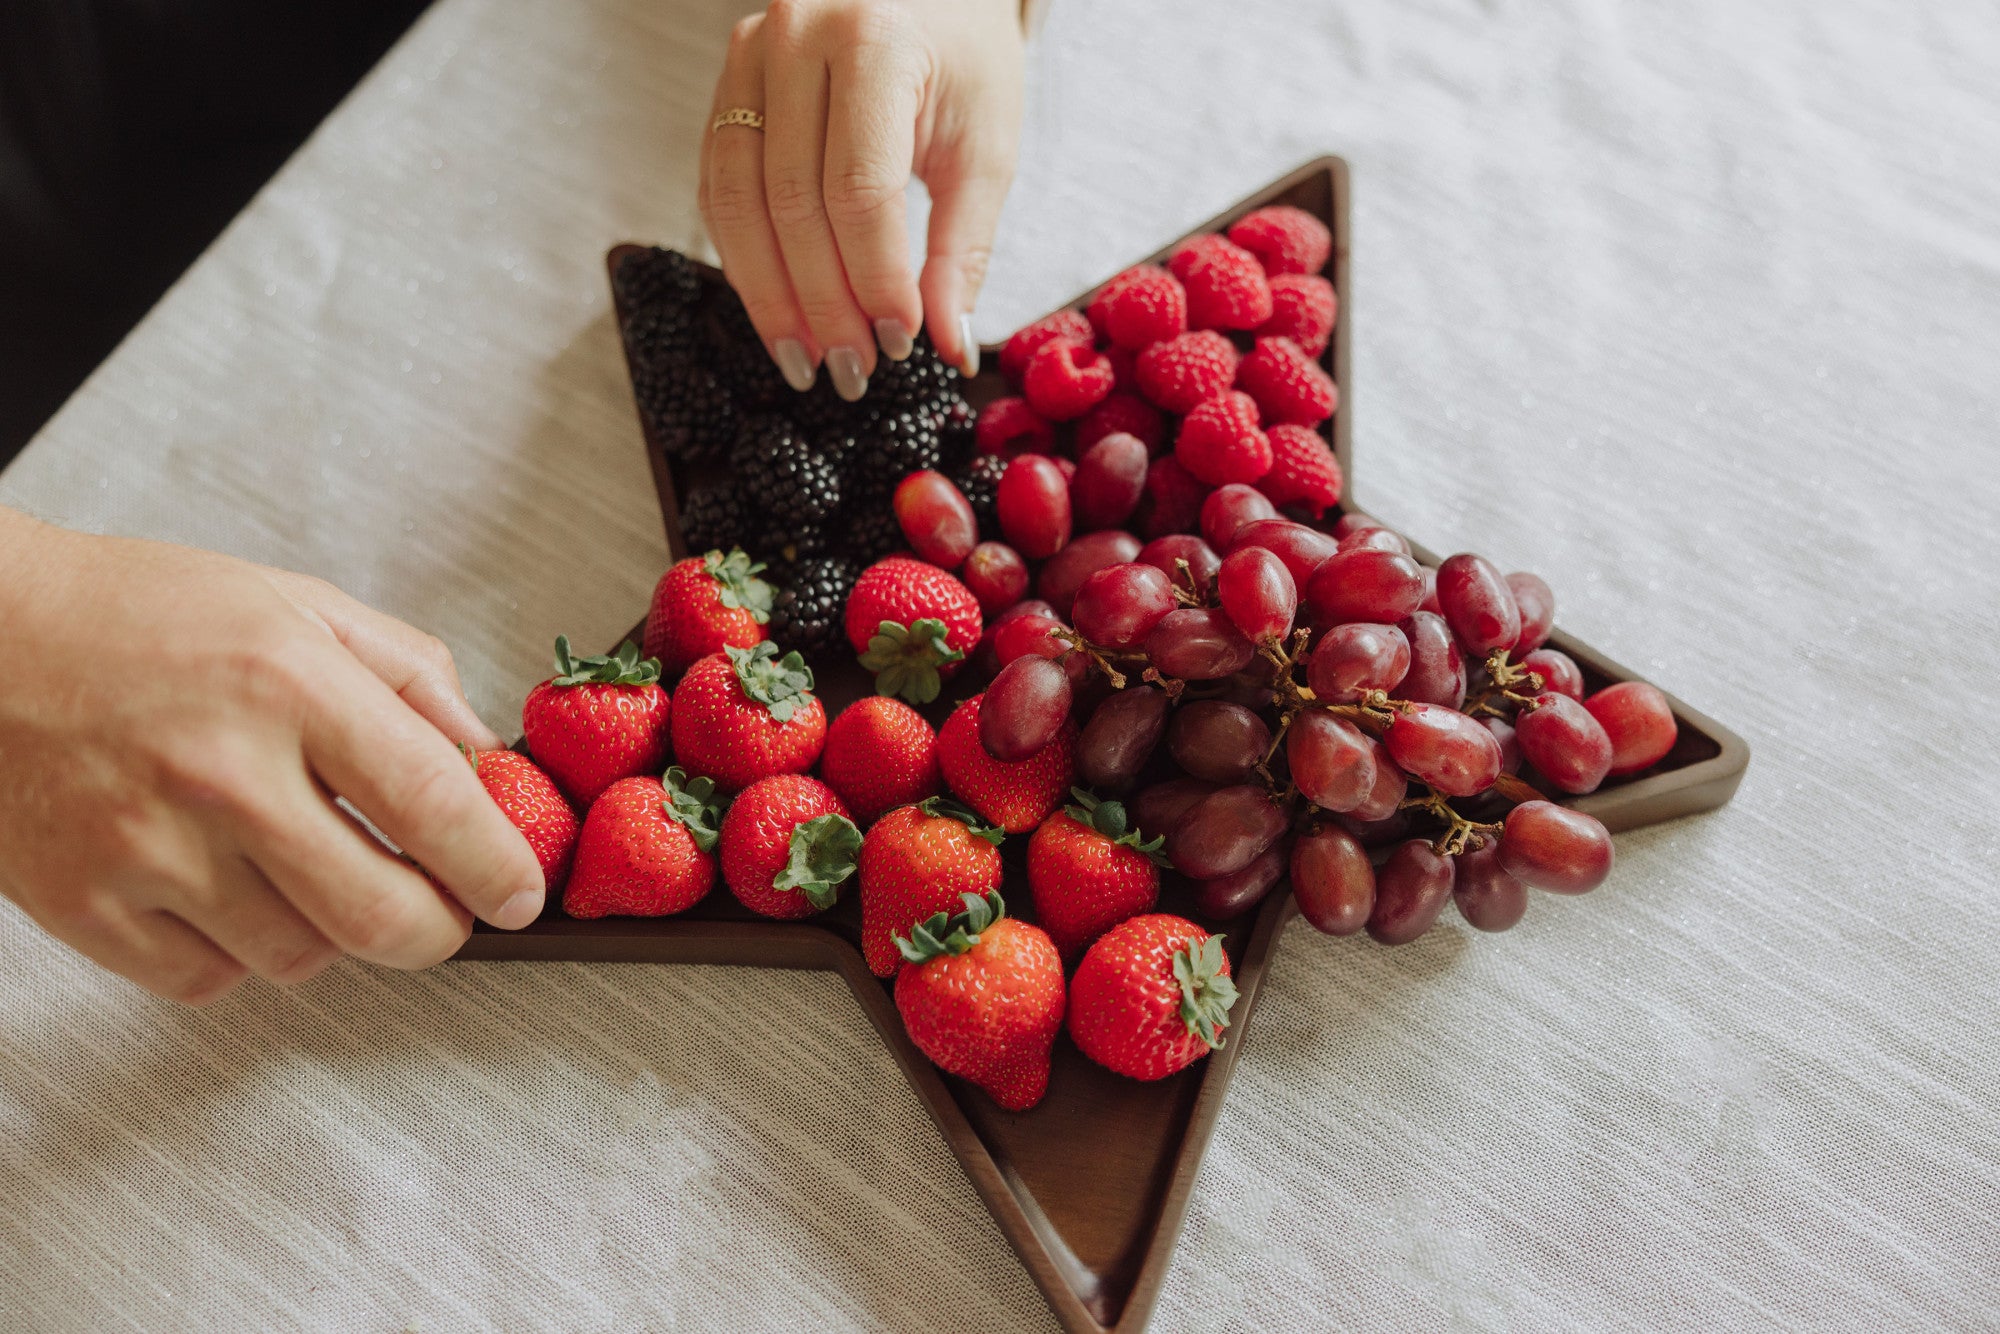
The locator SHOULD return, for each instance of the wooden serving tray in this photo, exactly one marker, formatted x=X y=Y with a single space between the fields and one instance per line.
x=1090 y=1187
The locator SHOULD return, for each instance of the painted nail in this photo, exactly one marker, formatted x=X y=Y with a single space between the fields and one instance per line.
x=893 y=339
x=843 y=365
x=790 y=354
x=520 y=910
x=968 y=351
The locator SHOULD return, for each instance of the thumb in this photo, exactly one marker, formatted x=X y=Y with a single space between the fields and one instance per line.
x=968 y=183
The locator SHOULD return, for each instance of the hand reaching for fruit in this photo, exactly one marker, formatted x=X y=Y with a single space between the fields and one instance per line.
x=174 y=725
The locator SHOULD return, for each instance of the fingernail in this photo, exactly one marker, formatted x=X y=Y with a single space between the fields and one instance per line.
x=968 y=351
x=520 y=910
x=790 y=354
x=893 y=339
x=843 y=365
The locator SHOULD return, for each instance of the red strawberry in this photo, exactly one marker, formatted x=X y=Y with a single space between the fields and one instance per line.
x=1289 y=386
x=1015 y=795
x=646 y=849
x=1284 y=239
x=598 y=720
x=1302 y=309
x=530 y=799
x=1140 y=307
x=1226 y=286
x=1064 y=380
x=1067 y=325
x=1173 y=499
x=1008 y=426
x=982 y=996
x=1089 y=870
x=1220 y=442
x=1121 y=413
x=1304 y=473
x=916 y=861
x=1151 y=997
x=747 y=713
x=912 y=624
x=704 y=603
x=788 y=846
x=880 y=754
x=1185 y=372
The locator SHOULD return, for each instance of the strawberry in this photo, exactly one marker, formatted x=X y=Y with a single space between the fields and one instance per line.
x=912 y=624
x=1140 y=307
x=1284 y=239
x=705 y=603
x=1183 y=373
x=647 y=849
x=597 y=720
x=746 y=713
x=1015 y=795
x=1289 y=386
x=1220 y=442
x=880 y=754
x=1151 y=997
x=1065 y=325
x=1226 y=286
x=530 y=799
x=788 y=846
x=982 y=996
x=916 y=861
x=1304 y=473
x=1090 y=869
x=1303 y=308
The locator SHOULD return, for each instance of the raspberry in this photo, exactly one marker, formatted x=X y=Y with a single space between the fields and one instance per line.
x=1172 y=502
x=1302 y=309
x=1289 y=386
x=1065 y=324
x=1124 y=369
x=1141 y=307
x=1304 y=473
x=1186 y=372
x=1008 y=426
x=1064 y=380
x=1284 y=239
x=1220 y=442
x=1121 y=412
x=1226 y=287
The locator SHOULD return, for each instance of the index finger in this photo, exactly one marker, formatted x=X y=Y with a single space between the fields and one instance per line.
x=873 y=99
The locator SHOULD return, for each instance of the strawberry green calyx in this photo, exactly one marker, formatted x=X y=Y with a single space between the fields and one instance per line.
x=623 y=668
x=1206 y=991
x=1109 y=819
x=905 y=659
x=952 y=933
x=965 y=815
x=693 y=802
x=741 y=588
x=779 y=684
x=825 y=852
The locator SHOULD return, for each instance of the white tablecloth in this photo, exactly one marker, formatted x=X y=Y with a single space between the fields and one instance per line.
x=1695 y=308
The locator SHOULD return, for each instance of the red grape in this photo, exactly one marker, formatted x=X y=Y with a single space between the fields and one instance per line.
x=1025 y=607
x=936 y=518
x=1228 y=508
x=1352 y=521
x=1639 y=721
x=1444 y=748
x=1410 y=890
x=1510 y=745
x=1118 y=607
x=1332 y=761
x=1025 y=707
x=1029 y=634
x=1218 y=741
x=1379 y=539
x=1302 y=549
x=1437 y=672
x=1391 y=786
x=1377 y=833
x=1065 y=572
x=996 y=575
x=1110 y=478
x=1558 y=671
x=1172 y=503
x=1554 y=848
x=1538 y=610
x=1199 y=555
x=1157 y=810
x=1430 y=602
x=1487 y=897
x=1198 y=644
x=1233 y=895
x=986 y=657
x=1350 y=660
x=1560 y=738
x=1365 y=585
x=1258 y=593
x=1224 y=831
x=1477 y=604
x=1332 y=881
x=1065 y=466
x=1033 y=505
x=1120 y=737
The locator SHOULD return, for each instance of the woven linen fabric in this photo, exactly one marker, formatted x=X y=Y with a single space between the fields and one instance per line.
x=1693 y=307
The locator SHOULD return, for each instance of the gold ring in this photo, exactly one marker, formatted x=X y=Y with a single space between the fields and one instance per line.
x=744 y=116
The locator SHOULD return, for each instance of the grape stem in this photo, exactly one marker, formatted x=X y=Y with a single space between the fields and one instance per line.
x=1502 y=677
x=1097 y=656
x=1189 y=596
x=1459 y=832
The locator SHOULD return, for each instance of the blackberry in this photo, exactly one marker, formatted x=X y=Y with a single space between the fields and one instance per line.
x=957 y=435
x=920 y=380
x=715 y=518
x=787 y=482
x=656 y=275
x=737 y=356
x=873 y=533
x=690 y=412
x=660 y=336
x=820 y=412
x=979 y=479
x=810 y=613
x=898 y=443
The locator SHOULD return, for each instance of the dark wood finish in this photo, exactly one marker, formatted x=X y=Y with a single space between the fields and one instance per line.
x=1091 y=1186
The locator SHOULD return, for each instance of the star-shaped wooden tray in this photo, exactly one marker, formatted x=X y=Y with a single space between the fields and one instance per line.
x=1091 y=1186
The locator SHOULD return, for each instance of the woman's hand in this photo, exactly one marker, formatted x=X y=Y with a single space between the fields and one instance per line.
x=174 y=726
x=807 y=213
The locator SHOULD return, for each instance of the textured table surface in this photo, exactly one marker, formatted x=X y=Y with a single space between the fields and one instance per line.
x=1693 y=308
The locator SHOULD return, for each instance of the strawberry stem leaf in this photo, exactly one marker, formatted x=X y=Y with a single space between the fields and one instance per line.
x=623 y=668
x=694 y=802
x=1206 y=991
x=780 y=684
x=741 y=589
x=965 y=815
x=824 y=853
x=906 y=659
x=951 y=933
x=1109 y=818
